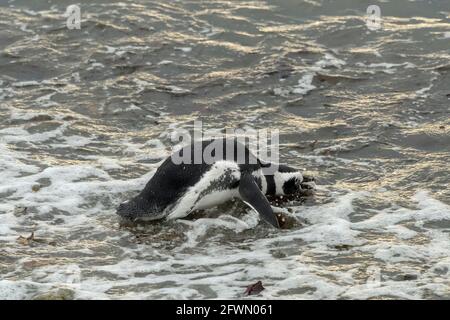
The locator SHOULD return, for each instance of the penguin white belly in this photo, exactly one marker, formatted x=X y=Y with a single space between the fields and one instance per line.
x=213 y=188
x=215 y=198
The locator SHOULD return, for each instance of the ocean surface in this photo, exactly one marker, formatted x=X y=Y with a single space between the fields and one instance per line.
x=86 y=116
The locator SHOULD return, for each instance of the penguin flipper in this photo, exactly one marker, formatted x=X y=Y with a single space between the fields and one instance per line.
x=255 y=199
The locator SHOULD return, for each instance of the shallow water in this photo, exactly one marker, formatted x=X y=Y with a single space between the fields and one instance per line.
x=366 y=112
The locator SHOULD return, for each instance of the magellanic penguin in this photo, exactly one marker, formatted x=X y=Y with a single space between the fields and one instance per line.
x=186 y=182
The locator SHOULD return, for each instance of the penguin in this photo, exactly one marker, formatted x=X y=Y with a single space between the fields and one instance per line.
x=208 y=173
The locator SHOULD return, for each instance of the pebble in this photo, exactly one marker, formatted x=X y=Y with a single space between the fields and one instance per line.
x=285 y=221
x=59 y=294
x=20 y=211
x=254 y=288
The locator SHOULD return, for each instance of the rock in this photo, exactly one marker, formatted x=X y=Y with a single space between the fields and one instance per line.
x=36 y=187
x=307 y=192
x=41 y=117
x=26 y=241
x=343 y=247
x=20 y=211
x=285 y=221
x=60 y=294
x=254 y=288
x=279 y=254
x=407 y=277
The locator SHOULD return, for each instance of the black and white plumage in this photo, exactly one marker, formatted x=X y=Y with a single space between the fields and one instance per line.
x=177 y=189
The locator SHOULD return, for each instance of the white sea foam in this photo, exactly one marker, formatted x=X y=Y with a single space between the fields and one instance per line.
x=385 y=67
x=21 y=84
x=182 y=271
x=304 y=84
x=184 y=49
x=178 y=90
x=164 y=62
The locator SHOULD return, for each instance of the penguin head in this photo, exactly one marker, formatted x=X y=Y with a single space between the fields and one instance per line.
x=137 y=208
